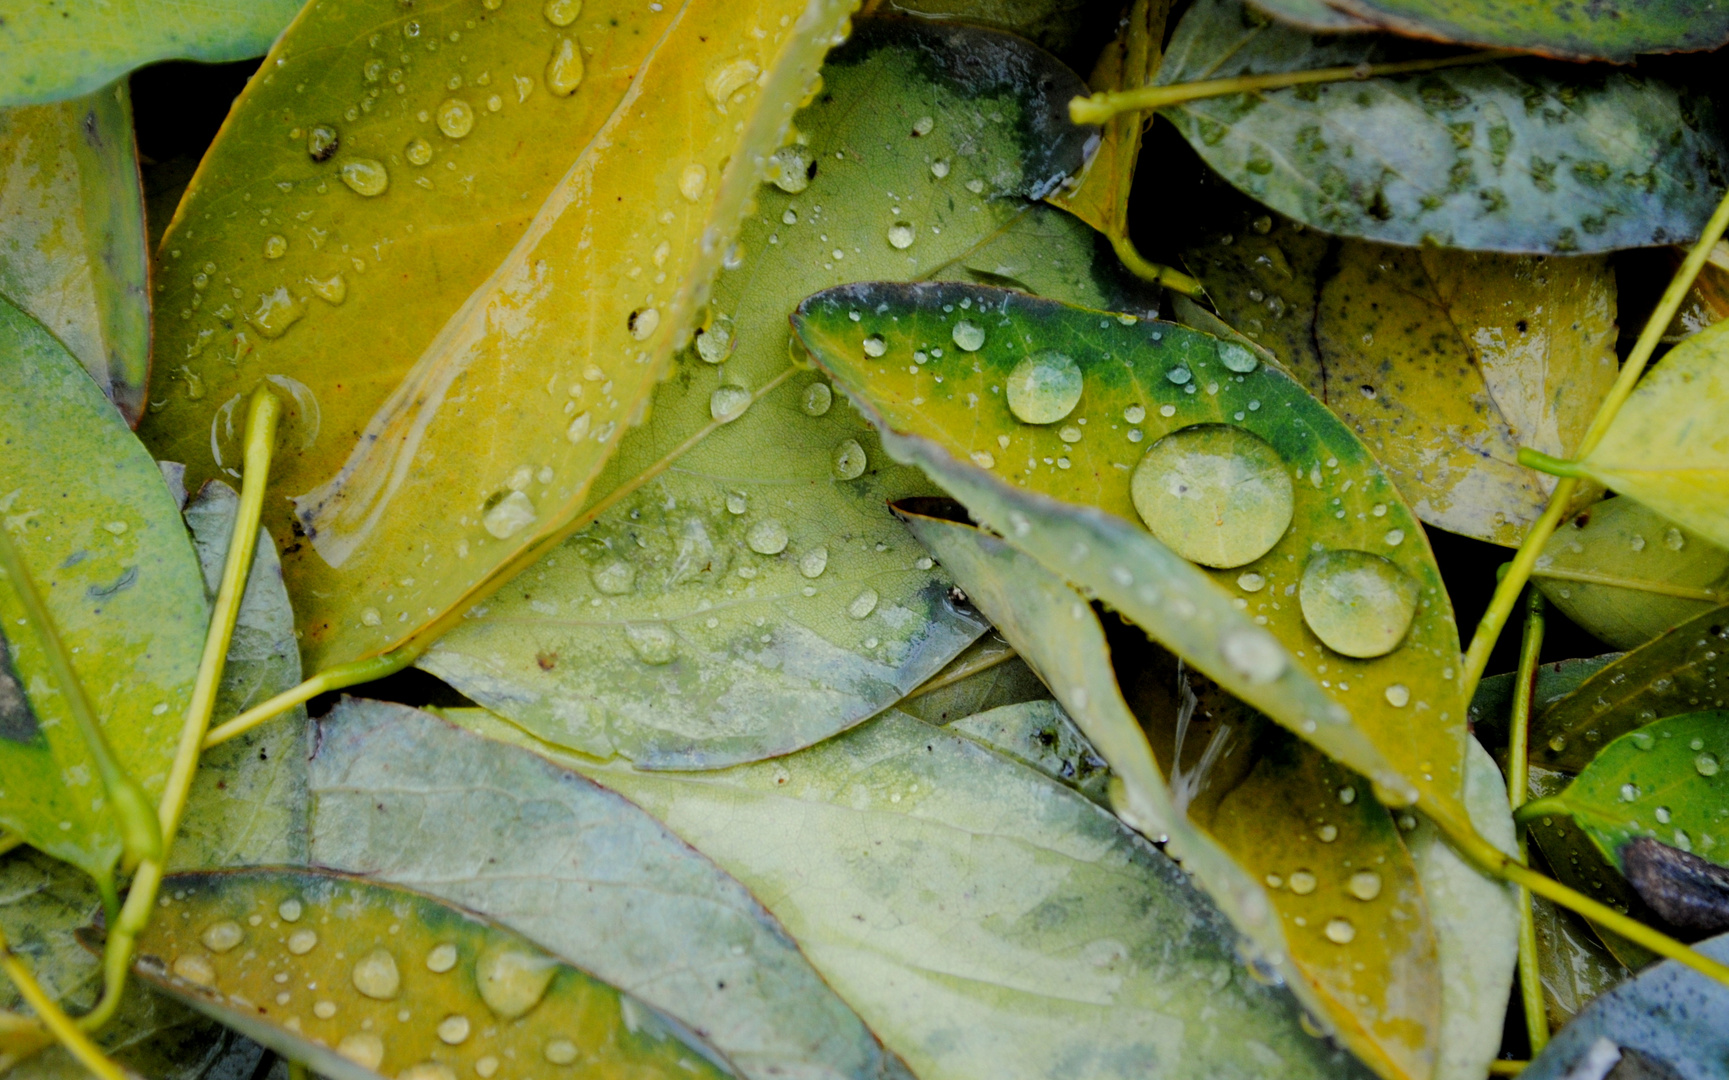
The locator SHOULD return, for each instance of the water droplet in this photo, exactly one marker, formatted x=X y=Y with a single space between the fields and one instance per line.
x=923 y=126
x=728 y=403
x=363 y=1048
x=564 y=68
x=1637 y=543
x=302 y=941
x=1365 y=885
x=643 y=322
x=812 y=563
x=1327 y=833
x=321 y=142
x=1249 y=581
x=692 y=181
x=453 y=1030
x=714 y=342
x=939 y=169
x=848 y=460
x=1044 y=387
x=1663 y=815
x=324 y=1010
x=578 y=429
x=728 y=79
x=1358 y=604
x=365 y=176
x=1398 y=695
x=562 y=12
x=1395 y=537
x=560 y=1051
x=1644 y=740
x=1302 y=883
x=653 y=643
x=509 y=515
x=1706 y=764
x=221 y=936
x=1340 y=931
x=767 y=537
x=512 y=980
x=817 y=399
x=1558 y=743
x=441 y=959
x=1347 y=795
x=970 y=337
x=332 y=290
x=1683 y=841
x=1253 y=653
x=290 y=910
x=418 y=151
x=277 y=310
x=275 y=247
x=901 y=235
x=375 y=975
x=1629 y=792
x=1673 y=540
x=486 y=1067
x=790 y=169
x=863 y=604
x=1179 y=375
x=1236 y=357
x=1215 y=494
x=874 y=345
x=425 y=1070
x=615 y=578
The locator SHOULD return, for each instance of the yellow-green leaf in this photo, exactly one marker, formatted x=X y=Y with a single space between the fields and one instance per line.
x=1668 y=446
x=382 y=981
x=72 y=234
x=1291 y=497
x=1041 y=735
x=987 y=675
x=468 y=259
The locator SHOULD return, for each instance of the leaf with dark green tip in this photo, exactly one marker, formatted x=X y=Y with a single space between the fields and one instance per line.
x=1617 y=30
x=1682 y=671
x=1491 y=157
x=382 y=981
x=988 y=922
x=741 y=591
x=72 y=251
x=1161 y=400
x=1626 y=573
x=93 y=522
x=403 y=797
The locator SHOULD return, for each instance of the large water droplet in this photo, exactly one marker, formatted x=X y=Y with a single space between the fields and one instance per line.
x=767 y=537
x=1302 y=882
x=1358 y=604
x=455 y=118
x=365 y=176
x=714 y=342
x=375 y=975
x=817 y=399
x=509 y=515
x=813 y=562
x=728 y=403
x=363 y=1048
x=1253 y=653
x=970 y=337
x=561 y=12
x=221 y=936
x=512 y=980
x=652 y=643
x=1215 y=494
x=790 y=169
x=1706 y=764
x=1340 y=931
x=848 y=460
x=901 y=235
x=564 y=68
x=1044 y=387
x=1364 y=885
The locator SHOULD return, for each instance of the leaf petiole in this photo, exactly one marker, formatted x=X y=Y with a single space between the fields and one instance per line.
x=1156 y=273
x=1554 y=466
x=63 y=1027
x=336 y=678
x=1518 y=778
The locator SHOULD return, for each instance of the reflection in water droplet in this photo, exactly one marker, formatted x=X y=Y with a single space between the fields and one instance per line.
x=863 y=604
x=1215 y=494
x=365 y=176
x=512 y=980
x=817 y=399
x=275 y=247
x=375 y=975
x=1253 y=653
x=441 y=959
x=1044 y=387
x=561 y=12
x=714 y=342
x=874 y=345
x=1236 y=357
x=222 y=936
x=728 y=79
x=1398 y=695
x=790 y=169
x=653 y=643
x=901 y=235
x=509 y=516
x=767 y=537
x=564 y=68
x=1358 y=604
x=728 y=403
x=1302 y=883
x=363 y=1048
x=615 y=578
x=1340 y=931
x=1365 y=885
x=970 y=337
x=813 y=562
x=418 y=151
x=1706 y=764
x=848 y=460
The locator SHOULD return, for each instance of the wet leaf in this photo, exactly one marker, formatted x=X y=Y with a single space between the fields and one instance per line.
x=1575 y=861
x=1575 y=966
x=72 y=250
x=1041 y=735
x=445 y=992
x=1057 y=25
x=1492 y=706
x=1316 y=15
x=1618 y=30
x=1626 y=573
x=742 y=591
x=61 y=50
x=405 y=798
x=1446 y=362
x=1668 y=1018
x=93 y=522
x=1667 y=447
x=1047 y=252
x=1161 y=399
x=1492 y=157
x=1679 y=672
x=1706 y=302
x=985 y=920
x=557 y=156
x=1008 y=681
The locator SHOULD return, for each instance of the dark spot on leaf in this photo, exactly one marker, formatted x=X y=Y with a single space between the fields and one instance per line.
x=1689 y=892
x=124 y=581
x=17 y=719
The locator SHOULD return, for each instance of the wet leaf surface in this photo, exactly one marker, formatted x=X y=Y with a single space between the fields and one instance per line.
x=1446 y=362
x=1627 y=574
x=450 y=352
x=1511 y=157
x=1668 y=447
x=1316 y=15
x=403 y=797
x=985 y=920
x=1227 y=459
x=72 y=252
x=1491 y=707
x=1618 y=30
x=1010 y=682
x=1575 y=861
x=382 y=981
x=92 y=521
x=1574 y=964
x=1040 y=734
x=741 y=591
x=58 y=51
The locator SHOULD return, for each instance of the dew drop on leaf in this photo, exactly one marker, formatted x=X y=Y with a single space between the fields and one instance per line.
x=1357 y=603
x=728 y=403
x=564 y=68
x=365 y=176
x=849 y=460
x=970 y=337
x=1043 y=388
x=874 y=345
x=1215 y=494
x=767 y=537
x=817 y=399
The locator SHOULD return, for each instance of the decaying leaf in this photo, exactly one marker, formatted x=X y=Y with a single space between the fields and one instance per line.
x=1041 y=735
x=586 y=170
x=72 y=234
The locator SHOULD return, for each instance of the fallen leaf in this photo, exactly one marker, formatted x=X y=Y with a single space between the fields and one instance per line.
x=1314 y=15
x=1618 y=30
x=1039 y=734
x=1575 y=966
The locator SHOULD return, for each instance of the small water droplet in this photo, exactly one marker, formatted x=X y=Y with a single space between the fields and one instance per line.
x=418 y=151
x=1215 y=494
x=290 y=910
x=1365 y=885
x=376 y=976
x=863 y=604
x=365 y=176
x=848 y=460
x=1629 y=792
x=693 y=181
x=1236 y=357
x=1253 y=653
x=615 y=578
x=1706 y=764
x=275 y=247
x=1043 y=388
x=728 y=403
x=561 y=12
x=363 y=1048
x=277 y=310
x=728 y=79
x=714 y=342
x=1637 y=543
x=331 y=290
x=901 y=235
x=1327 y=833
x=643 y=322
x=486 y=1067
x=512 y=980
x=324 y=1010
x=874 y=345
x=302 y=941
x=564 y=68
x=1249 y=581
x=509 y=515
x=939 y=169
x=1663 y=815
x=970 y=337
x=1398 y=695
x=221 y=936
x=1358 y=604
x=813 y=562
x=1302 y=882
x=790 y=170
x=1673 y=540
x=653 y=643
x=321 y=142
x=767 y=537
x=441 y=959
x=1134 y=414
x=560 y=1051
x=1643 y=740
x=1179 y=375
x=817 y=399
x=1347 y=795
x=1340 y=931
x=453 y=1030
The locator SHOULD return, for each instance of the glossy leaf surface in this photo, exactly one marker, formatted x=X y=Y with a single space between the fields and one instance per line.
x=1316 y=15
x=471 y=990
x=1393 y=717
x=1668 y=447
x=1041 y=735
x=1491 y=157
x=1007 y=682
x=741 y=591
x=1576 y=861
x=403 y=797
x=72 y=251
x=60 y=50
x=586 y=179
x=1618 y=30
x=91 y=519
x=985 y=920
x=1575 y=966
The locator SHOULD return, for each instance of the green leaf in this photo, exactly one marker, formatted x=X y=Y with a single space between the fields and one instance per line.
x=988 y=675
x=61 y=50
x=1618 y=30
x=72 y=252
x=1389 y=708
x=405 y=798
x=1492 y=706
x=1667 y=447
x=1047 y=252
x=1626 y=573
x=1675 y=673
x=1057 y=25
x=92 y=520
x=1446 y=362
x=741 y=591
x=1039 y=734
x=986 y=921
x=614 y=133
x=445 y=992
x=1317 y=15
x=1575 y=965
x=1492 y=157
